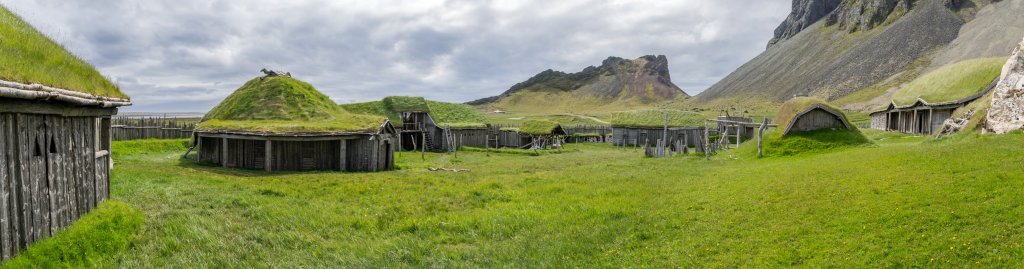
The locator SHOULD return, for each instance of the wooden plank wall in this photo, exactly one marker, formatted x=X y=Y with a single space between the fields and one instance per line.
x=816 y=119
x=636 y=137
x=127 y=128
x=361 y=154
x=49 y=176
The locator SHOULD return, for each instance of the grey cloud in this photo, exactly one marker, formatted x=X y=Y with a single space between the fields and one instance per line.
x=186 y=55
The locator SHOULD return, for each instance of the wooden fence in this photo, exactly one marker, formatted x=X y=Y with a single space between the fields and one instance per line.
x=132 y=128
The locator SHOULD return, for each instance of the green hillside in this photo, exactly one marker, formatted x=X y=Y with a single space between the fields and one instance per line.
x=952 y=82
x=31 y=57
x=444 y=114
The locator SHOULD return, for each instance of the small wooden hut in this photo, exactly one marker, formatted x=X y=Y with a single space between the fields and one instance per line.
x=277 y=123
x=803 y=114
x=645 y=127
x=921 y=116
x=532 y=134
x=55 y=142
x=437 y=126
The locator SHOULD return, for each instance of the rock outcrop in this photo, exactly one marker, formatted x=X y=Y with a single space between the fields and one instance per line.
x=1007 y=111
x=644 y=80
x=804 y=14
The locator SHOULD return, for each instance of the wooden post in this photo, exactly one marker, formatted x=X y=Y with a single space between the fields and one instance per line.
x=707 y=143
x=199 y=146
x=760 y=138
x=342 y=155
x=930 y=114
x=268 y=159
x=487 y=144
x=423 y=146
x=224 y=152
x=738 y=135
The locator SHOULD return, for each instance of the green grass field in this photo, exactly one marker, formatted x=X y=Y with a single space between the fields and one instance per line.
x=897 y=202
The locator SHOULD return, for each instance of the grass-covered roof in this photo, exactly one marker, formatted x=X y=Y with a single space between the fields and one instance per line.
x=656 y=118
x=31 y=57
x=791 y=108
x=276 y=104
x=450 y=114
x=538 y=127
x=952 y=82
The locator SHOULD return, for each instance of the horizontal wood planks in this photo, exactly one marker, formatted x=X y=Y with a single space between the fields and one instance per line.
x=816 y=119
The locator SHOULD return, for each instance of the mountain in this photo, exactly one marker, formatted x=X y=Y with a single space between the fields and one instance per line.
x=858 y=52
x=615 y=85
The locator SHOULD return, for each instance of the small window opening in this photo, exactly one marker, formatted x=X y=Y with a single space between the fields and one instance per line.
x=37 y=150
x=53 y=145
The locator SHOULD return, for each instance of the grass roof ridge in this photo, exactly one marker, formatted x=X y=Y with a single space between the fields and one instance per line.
x=538 y=127
x=656 y=118
x=275 y=104
x=31 y=57
x=444 y=114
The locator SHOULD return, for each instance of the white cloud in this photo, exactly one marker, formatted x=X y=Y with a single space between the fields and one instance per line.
x=186 y=55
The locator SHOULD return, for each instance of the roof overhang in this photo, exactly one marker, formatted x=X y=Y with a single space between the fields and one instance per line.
x=39 y=92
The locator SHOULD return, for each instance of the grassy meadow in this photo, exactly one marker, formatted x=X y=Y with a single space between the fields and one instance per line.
x=898 y=201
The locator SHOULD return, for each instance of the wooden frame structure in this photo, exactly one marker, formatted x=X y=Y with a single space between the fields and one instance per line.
x=358 y=151
x=54 y=160
x=921 y=117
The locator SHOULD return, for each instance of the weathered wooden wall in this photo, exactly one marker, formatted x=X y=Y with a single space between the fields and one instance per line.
x=637 y=137
x=53 y=170
x=814 y=120
x=131 y=128
x=361 y=154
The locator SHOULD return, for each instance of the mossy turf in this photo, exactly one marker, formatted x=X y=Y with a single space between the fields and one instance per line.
x=28 y=56
x=656 y=118
x=537 y=127
x=811 y=142
x=106 y=231
x=899 y=202
x=284 y=105
x=952 y=82
x=444 y=114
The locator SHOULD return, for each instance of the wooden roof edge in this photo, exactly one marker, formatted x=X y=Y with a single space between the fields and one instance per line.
x=824 y=107
x=18 y=90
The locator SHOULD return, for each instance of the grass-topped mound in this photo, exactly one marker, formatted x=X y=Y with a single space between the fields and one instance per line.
x=952 y=82
x=31 y=57
x=656 y=118
x=275 y=104
x=810 y=142
x=444 y=114
x=791 y=108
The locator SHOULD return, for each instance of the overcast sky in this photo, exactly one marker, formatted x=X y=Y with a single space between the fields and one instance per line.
x=187 y=55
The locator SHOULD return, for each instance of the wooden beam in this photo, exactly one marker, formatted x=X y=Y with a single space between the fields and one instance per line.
x=268 y=159
x=342 y=155
x=224 y=152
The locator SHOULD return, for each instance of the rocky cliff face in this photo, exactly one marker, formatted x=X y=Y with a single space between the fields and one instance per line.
x=1007 y=111
x=805 y=13
x=643 y=80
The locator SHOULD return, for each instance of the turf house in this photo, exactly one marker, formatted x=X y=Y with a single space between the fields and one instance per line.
x=532 y=134
x=278 y=123
x=646 y=127
x=55 y=112
x=429 y=125
x=927 y=102
x=804 y=114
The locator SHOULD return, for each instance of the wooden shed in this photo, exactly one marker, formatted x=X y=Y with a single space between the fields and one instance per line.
x=646 y=127
x=437 y=126
x=921 y=116
x=803 y=114
x=54 y=138
x=277 y=123
x=532 y=134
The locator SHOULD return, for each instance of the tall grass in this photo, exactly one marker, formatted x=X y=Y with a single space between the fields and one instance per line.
x=110 y=228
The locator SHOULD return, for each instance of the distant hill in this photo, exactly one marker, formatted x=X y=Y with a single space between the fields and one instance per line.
x=859 y=53
x=617 y=84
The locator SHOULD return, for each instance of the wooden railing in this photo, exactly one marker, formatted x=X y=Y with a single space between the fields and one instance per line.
x=132 y=128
